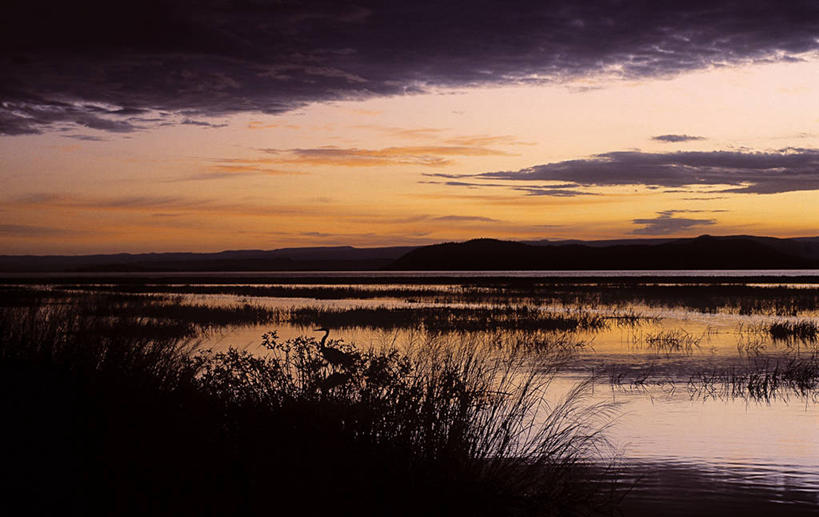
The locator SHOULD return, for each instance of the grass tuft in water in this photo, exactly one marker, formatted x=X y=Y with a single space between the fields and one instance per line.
x=673 y=341
x=804 y=330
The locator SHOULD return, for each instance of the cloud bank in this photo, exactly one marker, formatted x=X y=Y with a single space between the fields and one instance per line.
x=69 y=64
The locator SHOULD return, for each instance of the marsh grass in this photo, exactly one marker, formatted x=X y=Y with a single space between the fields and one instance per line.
x=805 y=330
x=137 y=315
x=751 y=343
x=122 y=424
x=760 y=380
x=763 y=380
x=442 y=318
x=732 y=297
x=673 y=341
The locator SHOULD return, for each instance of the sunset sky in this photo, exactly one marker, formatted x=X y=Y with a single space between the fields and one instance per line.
x=204 y=126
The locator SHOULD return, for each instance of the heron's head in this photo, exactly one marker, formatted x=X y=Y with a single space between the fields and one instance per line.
x=322 y=329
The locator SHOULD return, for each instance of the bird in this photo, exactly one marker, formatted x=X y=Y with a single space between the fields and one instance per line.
x=334 y=356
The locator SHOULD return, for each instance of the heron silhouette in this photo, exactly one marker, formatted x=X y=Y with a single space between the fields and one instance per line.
x=334 y=356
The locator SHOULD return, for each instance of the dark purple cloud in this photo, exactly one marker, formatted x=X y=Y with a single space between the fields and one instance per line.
x=85 y=138
x=671 y=139
x=666 y=223
x=560 y=190
x=123 y=67
x=786 y=170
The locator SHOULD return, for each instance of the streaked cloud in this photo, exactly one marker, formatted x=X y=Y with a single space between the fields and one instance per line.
x=667 y=223
x=202 y=123
x=738 y=172
x=23 y=230
x=676 y=138
x=86 y=138
x=234 y=168
x=256 y=124
x=427 y=156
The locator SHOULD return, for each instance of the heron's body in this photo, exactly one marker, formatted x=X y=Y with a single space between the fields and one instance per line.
x=334 y=356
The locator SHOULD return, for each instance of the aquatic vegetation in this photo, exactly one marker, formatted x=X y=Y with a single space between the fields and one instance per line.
x=143 y=315
x=733 y=296
x=335 y=292
x=673 y=341
x=761 y=380
x=751 y=343
x=804 y=330
x=444 y=318
x=150 y=425
x=630 y=318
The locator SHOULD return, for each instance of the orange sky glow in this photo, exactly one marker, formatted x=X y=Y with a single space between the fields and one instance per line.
x=406 y=169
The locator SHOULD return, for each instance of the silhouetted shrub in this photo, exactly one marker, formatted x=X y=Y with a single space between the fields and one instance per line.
x=108 y=424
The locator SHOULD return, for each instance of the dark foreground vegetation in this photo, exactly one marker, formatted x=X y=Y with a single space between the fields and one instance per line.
x=114 y=424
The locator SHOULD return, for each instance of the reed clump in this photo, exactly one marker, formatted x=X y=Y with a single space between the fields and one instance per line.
x=804 y=330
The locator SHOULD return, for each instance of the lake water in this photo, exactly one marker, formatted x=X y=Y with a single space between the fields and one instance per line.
x=756 y=449
x=678 y=273
x=685 y=432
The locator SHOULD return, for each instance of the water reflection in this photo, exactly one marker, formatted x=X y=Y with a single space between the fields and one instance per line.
x=671 y=429
x=711 y=400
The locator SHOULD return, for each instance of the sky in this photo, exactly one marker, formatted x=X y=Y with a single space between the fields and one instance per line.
x=205 y=126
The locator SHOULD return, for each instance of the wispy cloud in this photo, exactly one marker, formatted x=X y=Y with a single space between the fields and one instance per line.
x=439 y=136
x=203 y=123
x=235 y=167
x=152 y=204
x=427 y=156
x=86 y=138
x=256 y=124
x=552 y=190
x=23 y=230
x=425 y=218
x=667 y=223
x=677 y=138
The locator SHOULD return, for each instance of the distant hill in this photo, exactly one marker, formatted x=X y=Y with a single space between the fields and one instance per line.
x=705 y=252
x=285 y=259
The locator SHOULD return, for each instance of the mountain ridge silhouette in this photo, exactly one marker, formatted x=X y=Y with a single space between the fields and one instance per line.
x=702 y=252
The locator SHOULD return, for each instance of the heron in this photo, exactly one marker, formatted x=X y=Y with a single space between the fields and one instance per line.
x=334 y=356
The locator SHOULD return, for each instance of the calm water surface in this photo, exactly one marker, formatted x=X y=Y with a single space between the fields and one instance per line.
x=605 y=273
x=680 y=443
